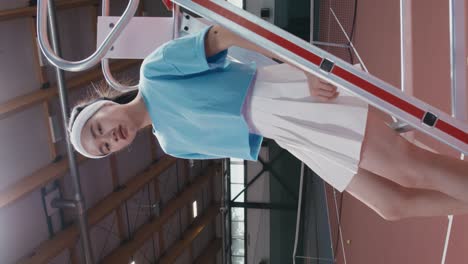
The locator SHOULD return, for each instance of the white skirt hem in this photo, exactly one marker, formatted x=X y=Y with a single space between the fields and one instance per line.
x=326 y=136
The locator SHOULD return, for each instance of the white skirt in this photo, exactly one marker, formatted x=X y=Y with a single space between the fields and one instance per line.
x=326 y=136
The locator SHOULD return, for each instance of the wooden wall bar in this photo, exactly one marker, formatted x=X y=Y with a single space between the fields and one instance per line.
x=208 y=256
x=68 y=237
x=22 y=102
x=124 y=252
x=202 y=222
x=31 y=10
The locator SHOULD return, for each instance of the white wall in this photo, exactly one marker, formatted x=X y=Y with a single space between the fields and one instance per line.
x=254 y=7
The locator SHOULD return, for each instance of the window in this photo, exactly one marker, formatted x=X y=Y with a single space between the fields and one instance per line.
x=237 y=185
x=195 y=209
x=238 y=3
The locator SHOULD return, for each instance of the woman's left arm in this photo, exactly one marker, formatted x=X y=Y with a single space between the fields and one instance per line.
x=219 y=38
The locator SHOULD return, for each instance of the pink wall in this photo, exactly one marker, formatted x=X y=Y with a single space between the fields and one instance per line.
x=457 y=249
x=431 y=57
x=372 y=239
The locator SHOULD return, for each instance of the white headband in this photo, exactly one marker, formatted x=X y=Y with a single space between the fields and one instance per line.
x=80 y=121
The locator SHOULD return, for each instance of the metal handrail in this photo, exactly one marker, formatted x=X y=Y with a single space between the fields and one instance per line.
x=458 y=85
x=96 y=56
x=105 y=62
x=79 y=201
x=175 y=21
x=112 y=81
x=457 y=58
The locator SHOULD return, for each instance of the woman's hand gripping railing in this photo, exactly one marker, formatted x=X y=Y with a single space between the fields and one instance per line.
x=92 y=60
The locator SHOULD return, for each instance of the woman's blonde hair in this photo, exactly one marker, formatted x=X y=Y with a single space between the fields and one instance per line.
x=101 y=91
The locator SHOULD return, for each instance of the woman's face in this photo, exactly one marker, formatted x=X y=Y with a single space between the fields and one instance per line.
x=109 y=130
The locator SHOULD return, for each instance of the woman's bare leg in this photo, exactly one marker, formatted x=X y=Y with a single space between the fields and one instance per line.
x=387 y=154
x=394 y=202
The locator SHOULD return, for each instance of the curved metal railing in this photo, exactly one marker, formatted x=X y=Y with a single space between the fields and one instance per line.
x=112 y=81
x=93 y=59
x=105 y=62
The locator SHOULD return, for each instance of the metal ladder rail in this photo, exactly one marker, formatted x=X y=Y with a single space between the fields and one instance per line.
x=382 y=95
x=106 y=71
x=458 y=55
x=78 y=203
x=458 y=80
x=93 y=59
x=113 y=82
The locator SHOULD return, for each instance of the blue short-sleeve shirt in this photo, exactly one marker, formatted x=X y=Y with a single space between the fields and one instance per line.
x=195 y=102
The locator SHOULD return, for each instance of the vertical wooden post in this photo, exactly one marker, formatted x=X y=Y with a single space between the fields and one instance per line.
x=115 y=186
x=73 y=255
x=153 y=147
x=189 y=215
x=141 y=9
x=212 y=198
x=94 y=16
x=157 y=192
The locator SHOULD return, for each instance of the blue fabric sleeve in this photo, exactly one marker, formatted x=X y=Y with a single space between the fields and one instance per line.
x=183 y=56
x=198 y=156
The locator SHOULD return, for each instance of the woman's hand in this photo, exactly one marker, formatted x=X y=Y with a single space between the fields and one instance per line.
x=321 y=89
x=220 y=38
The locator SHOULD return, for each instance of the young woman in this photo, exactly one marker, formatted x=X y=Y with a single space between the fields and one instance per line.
x=203 y=106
